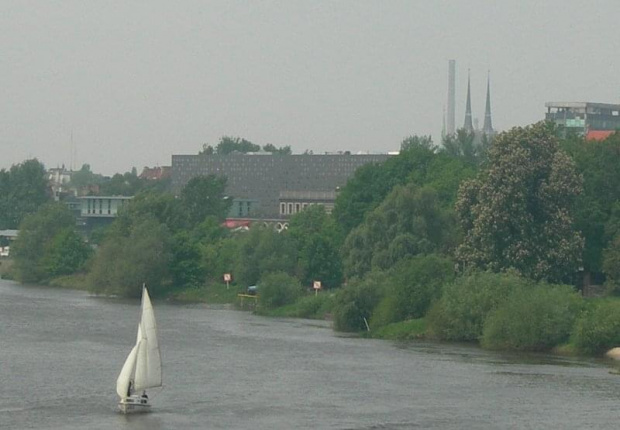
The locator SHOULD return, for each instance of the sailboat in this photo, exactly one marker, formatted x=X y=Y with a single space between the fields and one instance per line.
x=142 y=368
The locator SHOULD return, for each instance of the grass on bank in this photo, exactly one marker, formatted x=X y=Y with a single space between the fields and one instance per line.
x=404 y=330
x=74 y=282
x=311 y=306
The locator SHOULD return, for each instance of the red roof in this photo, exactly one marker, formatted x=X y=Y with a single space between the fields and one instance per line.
x=599 y=134
x=235 y=223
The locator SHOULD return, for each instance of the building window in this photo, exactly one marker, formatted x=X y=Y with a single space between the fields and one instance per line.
x=282 y=208
x=290 y=208
x=297 y=207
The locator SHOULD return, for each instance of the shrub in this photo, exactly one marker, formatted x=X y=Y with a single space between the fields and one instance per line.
x=278 y=289
x=411 y=287
x=416 y=283
x=314 y=306
x=461 y=312
x=533 y=319
x=354 y=304
x=598 y=329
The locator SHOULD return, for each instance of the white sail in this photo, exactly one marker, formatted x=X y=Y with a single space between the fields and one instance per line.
x=141 y=375
x=153 y=356
x=122 y=383
x=143 y=364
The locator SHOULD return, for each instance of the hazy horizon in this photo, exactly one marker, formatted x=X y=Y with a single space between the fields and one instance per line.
x=132 y=83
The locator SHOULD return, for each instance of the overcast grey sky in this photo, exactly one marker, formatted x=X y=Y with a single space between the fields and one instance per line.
x=136 y=82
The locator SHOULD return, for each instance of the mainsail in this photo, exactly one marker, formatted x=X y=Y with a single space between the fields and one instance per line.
x=143 y=364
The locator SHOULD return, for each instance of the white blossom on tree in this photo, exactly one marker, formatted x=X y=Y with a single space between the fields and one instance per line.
x=517 y=212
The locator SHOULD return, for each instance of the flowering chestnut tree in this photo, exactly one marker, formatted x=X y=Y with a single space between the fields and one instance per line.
x=517 y=213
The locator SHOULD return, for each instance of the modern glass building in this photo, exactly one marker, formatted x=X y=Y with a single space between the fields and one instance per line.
x=581 y=117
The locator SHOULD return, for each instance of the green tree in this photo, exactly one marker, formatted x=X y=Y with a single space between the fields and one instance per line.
x=465 y=146
x=229 y=144
x=163 y=207
x=34 y=249
x=222 y=256
x=598 y=328
x=207 y=149
x=412 y=286
x=611 y=266
x=23 y=190
x=203 y=196
x=467 y=302
x=355 y=303
x=85 y=177
x=409 y=222
x=263 y=250
x=125 y=261
x=67 y=253
x=318 y=243
x=551 y=313
x=185 y=265
x=411 y=142
x=278 y=289
x=127 y=184
x=596 y=215
x=518 y=212
x=418 y=163
x=283 y=150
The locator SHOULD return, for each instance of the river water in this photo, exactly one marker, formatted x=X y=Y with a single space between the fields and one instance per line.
x=61 y=351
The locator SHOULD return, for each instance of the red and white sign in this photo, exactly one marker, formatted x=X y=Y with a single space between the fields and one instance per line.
x=227 y=277
x=317 y=285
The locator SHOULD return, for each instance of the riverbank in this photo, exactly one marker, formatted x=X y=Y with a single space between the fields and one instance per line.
x=321 y=307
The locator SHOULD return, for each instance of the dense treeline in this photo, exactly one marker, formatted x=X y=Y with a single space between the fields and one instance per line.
x=476 y=240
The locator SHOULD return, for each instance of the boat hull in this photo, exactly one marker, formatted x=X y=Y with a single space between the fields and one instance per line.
x=134 y=404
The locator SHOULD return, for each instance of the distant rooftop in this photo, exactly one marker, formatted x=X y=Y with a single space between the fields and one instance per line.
x=598 y=134
x=582 y=105
x=9 y=233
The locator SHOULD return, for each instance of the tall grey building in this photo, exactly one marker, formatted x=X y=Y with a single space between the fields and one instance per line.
x=265 y=180
x=451 y=127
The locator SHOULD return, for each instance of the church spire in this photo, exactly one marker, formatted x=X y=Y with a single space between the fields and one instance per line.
x=488 y=124
x=468 y=126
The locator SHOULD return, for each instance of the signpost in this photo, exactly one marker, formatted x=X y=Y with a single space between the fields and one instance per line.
x=317 y=287
x=227 y=279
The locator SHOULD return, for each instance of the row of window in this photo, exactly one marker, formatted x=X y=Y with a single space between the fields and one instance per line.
x=100 y=206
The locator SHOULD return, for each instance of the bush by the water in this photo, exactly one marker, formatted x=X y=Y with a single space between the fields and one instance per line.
x=598 y=328
x=411 y=287
x=354 y=303
x=314 y=306
x=461 y=312
x=535 y=318
x=278 y=289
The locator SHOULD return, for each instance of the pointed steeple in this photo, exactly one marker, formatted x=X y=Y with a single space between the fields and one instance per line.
x=488 y=124
x=468 y=126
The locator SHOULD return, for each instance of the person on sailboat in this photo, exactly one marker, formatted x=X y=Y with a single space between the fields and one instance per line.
x=144 y=396
x=129 y=388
